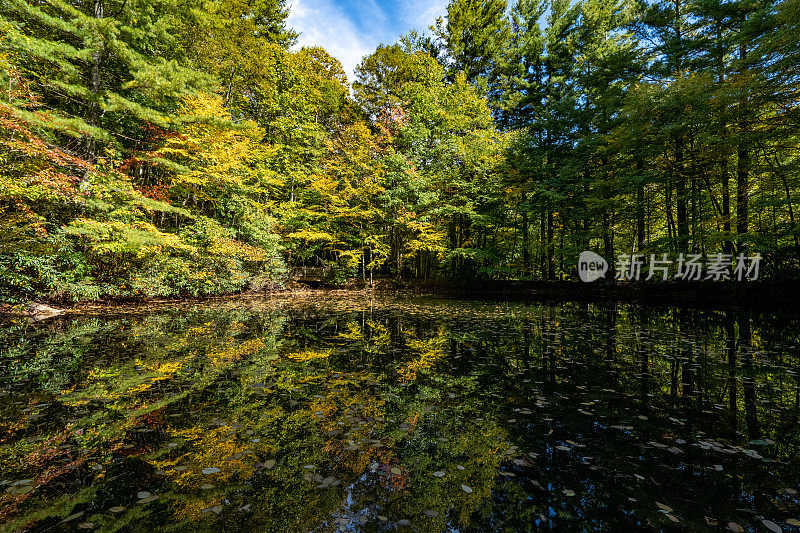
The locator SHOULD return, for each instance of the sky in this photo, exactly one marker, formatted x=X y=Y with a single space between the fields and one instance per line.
x=351 y=29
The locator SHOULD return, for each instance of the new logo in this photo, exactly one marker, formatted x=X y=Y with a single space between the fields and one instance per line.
x=591 y=267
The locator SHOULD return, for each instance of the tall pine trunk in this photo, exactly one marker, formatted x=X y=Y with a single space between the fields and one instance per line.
x=743 y=164
x=93 y=111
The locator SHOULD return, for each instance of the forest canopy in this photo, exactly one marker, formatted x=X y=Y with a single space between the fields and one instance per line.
x=165 y=148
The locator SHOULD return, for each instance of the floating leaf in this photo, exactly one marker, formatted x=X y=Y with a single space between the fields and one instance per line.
x=736 y=528
x=72 y=517
x=211 y=470
x=772 y=526
x=438 y=473
x=466 y=489
x=663 y=507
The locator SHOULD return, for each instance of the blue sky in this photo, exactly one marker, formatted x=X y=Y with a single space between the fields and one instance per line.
x=351 y=29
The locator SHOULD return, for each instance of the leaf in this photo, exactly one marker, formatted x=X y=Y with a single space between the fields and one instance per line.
x=663 y=507
x=772 y=526
x=438 y=473
x=736 y=528
x=211 y=470
x=396 y=471
x=466 y=489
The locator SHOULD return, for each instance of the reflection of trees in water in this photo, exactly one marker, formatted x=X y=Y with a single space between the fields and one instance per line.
x=377 y=398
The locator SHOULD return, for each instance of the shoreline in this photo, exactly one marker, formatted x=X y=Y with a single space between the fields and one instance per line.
x=746 y=295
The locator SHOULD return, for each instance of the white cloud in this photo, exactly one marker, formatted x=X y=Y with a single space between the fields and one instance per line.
x=323 y=23
x=420 y=14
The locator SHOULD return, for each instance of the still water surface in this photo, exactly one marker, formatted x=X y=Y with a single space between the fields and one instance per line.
x=351 y=414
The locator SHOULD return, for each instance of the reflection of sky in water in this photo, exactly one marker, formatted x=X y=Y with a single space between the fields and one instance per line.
x=346 y=414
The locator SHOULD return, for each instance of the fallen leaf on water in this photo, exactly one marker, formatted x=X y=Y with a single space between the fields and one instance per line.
x=736 y=528
x=438 y=473
x=793 y=522
x=772 y=526
x=663 y=507
x=466 y=489
x=396 y=471
x=211 y=470
x=70 y=518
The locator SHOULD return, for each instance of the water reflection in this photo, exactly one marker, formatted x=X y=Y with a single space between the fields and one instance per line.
x=351 y=414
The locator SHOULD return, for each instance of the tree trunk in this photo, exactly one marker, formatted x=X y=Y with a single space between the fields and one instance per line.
x=742 y=165
x=640 y=227
x=93 y=111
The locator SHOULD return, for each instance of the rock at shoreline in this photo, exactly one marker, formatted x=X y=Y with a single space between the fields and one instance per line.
x=39 y=311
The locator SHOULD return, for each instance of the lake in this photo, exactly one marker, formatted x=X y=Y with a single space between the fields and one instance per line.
x=326 y=413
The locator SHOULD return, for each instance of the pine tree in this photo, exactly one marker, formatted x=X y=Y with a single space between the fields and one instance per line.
x=473 y=34
x=99 y=66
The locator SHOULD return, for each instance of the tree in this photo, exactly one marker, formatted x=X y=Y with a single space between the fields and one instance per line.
x=473 y=34
x=97 y=65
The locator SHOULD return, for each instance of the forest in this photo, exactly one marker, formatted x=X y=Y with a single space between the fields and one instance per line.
x=187 y=148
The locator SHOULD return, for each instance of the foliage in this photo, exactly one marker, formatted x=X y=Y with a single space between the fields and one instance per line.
x=183 y=148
